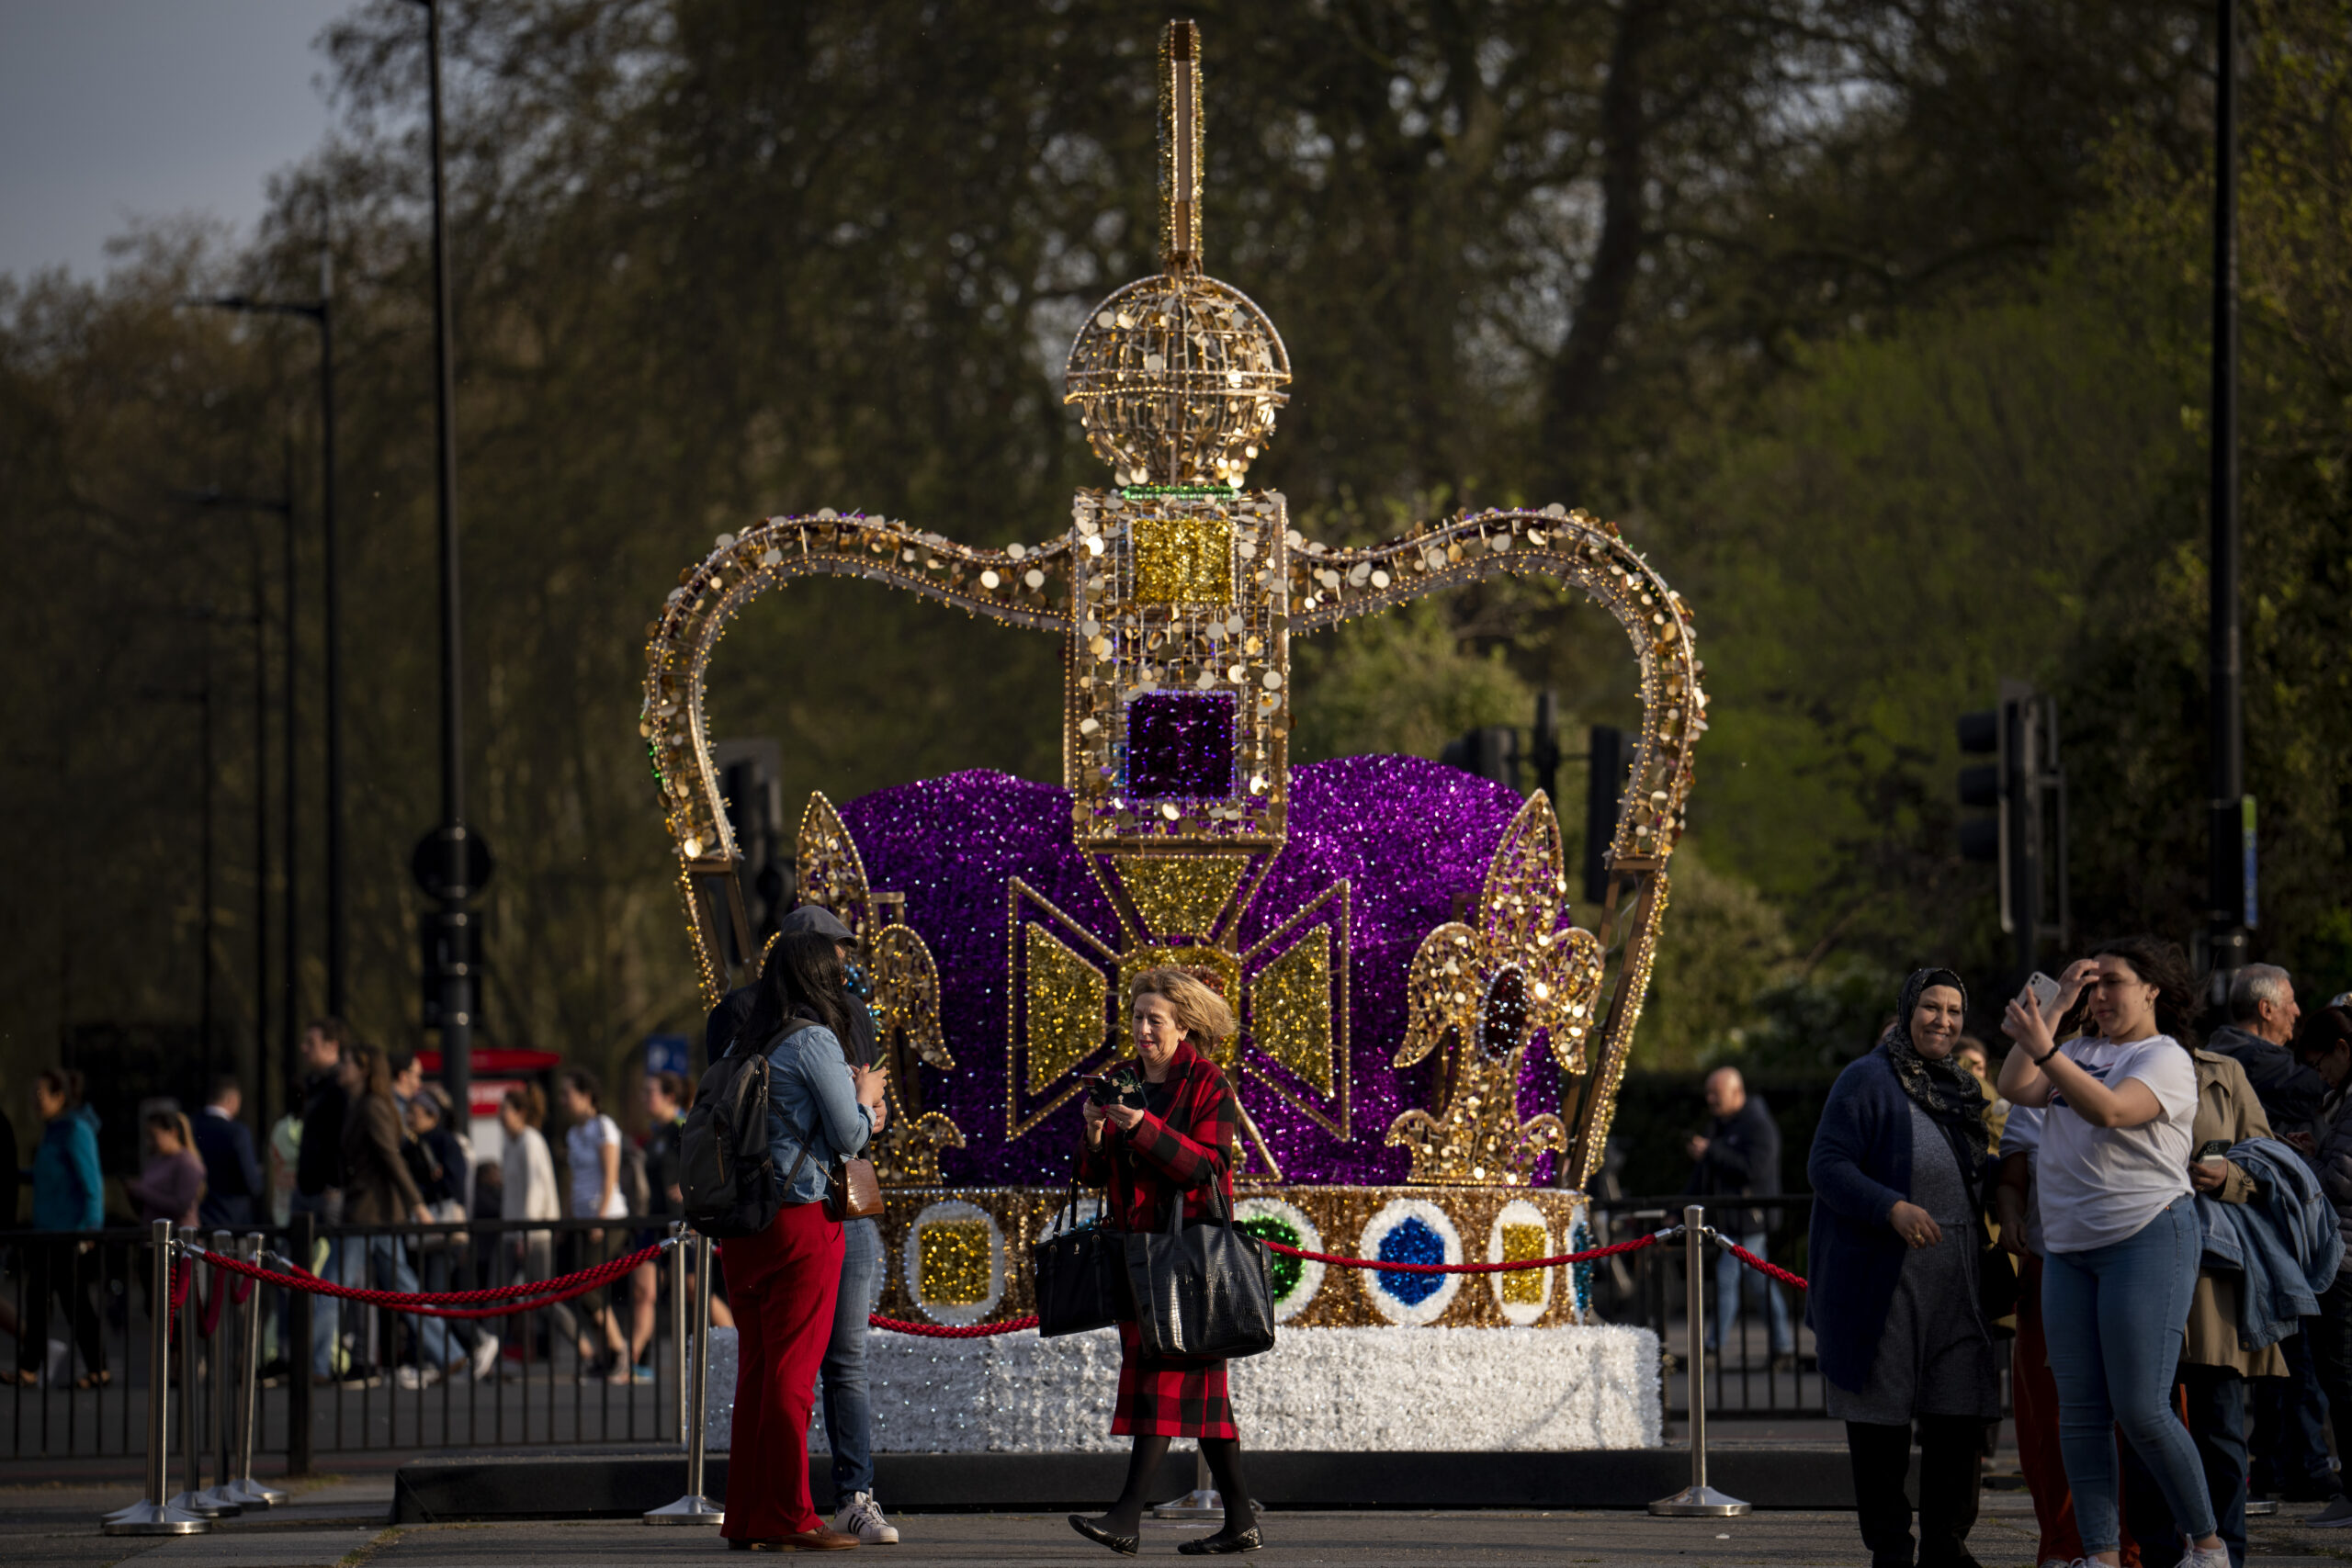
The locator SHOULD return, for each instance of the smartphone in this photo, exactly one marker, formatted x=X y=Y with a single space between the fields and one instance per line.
x=2044 y=992
x=2214 y=1152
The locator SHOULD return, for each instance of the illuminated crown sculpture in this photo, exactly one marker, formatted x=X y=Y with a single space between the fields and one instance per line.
x=1394 y=934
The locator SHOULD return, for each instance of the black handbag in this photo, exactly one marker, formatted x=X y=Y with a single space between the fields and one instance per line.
x=1079 y=1270
x=1202 y=1292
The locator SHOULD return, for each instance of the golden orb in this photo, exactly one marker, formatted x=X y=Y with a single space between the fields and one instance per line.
x=1177 y=378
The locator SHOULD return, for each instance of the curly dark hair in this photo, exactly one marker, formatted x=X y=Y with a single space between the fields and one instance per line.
x=2160 y=964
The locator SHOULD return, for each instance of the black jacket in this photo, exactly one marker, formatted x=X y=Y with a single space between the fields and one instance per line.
x=1743 y=1160
x=232 y=1173
x=320 y=1164
x=2290 y=1093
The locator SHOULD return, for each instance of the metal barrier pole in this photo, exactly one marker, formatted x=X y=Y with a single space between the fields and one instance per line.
x=1697 y=1499
x=193 y=1496
x=678 y=1324
x=246 y=1490
x=297 y=1355
x=694 y=1509
x=216 y=1393
x=152 y=1515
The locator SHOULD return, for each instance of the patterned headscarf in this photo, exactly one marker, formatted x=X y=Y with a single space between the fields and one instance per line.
x=1943 y=1088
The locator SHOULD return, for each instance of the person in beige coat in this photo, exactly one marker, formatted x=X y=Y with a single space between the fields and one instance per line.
x=2214 y=1365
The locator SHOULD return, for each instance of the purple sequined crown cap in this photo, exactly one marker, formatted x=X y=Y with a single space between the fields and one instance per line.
x=1393 y=844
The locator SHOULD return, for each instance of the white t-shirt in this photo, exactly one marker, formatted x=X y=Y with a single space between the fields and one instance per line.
x=2022 y=1136
x=584 y=1146
x=2096 y=1186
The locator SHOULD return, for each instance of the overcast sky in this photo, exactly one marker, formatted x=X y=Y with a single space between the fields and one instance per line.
x=110 y=108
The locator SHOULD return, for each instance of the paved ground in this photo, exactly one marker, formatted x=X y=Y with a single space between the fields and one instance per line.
x=334 y=1524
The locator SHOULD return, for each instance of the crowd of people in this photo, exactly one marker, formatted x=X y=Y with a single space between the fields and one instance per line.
x=366 y=1141
x=2163 y=1222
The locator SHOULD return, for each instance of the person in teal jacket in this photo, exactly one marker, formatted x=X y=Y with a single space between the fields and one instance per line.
x=68 y=1195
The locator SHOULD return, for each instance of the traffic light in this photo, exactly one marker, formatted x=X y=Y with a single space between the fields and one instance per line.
x=1604 y=779
x=2025 y=837
x=751 y=779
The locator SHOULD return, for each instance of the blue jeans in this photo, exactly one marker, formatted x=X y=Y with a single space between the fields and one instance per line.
x=1732 y=1278
x=2115 y=1318
x=2216 y=1399
x=849 y=1408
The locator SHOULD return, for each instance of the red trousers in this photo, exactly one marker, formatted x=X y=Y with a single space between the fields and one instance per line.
x=2033 y=1399
x=782 y=1284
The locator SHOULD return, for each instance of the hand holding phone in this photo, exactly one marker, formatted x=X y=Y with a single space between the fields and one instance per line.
x=2043 y=991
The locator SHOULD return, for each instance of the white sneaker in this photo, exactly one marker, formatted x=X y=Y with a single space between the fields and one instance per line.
x=2335 y=1515
x=485 y=1356
x=417 y=1377
x=2214 y=1557
x=862 y=1517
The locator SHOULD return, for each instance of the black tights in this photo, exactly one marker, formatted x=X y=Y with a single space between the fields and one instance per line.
x=1223 y=1457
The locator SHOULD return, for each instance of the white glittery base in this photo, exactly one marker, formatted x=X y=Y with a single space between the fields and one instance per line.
x=1482 y=1389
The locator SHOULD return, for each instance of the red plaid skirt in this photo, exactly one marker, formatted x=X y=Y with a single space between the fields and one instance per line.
x=1172 y=1399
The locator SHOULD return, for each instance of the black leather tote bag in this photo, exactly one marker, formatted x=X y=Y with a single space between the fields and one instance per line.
x=1202 y=1292
x=1079 y=1270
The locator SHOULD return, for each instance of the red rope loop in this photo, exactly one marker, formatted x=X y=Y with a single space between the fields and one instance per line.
x=179 y=1283
x=942 y=1331
x=1772 y=1269
x=208 y=1319
x=439 y=1303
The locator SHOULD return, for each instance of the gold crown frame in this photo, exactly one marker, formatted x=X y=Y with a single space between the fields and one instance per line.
x=1182 y=586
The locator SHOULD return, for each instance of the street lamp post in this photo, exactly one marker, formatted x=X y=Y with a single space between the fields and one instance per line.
x=2230 y=815
x=455 y=947
x=285 y=509
x=320 y=314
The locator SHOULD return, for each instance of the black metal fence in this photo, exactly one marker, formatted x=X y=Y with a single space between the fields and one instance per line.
x=1758 y=1359
x=339 y=1376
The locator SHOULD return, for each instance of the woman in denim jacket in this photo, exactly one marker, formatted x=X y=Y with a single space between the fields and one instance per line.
x=783 y=1281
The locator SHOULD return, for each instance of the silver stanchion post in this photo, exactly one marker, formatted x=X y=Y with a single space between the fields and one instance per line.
x=694 y=1509
x=678 y=1324
x=193 y=1496
x=1697 y=1499
x=246 y=1490
x=218 y=1390
x=152 y=1515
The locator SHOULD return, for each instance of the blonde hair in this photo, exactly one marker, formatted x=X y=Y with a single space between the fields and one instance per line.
x=1201 y=1012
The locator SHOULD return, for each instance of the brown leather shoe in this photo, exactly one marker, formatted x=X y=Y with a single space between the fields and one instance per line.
x=821 y=1538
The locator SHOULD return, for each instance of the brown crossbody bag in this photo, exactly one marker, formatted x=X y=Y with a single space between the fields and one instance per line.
x=853 y=1191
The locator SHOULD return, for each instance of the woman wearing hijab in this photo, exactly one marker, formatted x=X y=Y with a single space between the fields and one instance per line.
x=1897 y=1169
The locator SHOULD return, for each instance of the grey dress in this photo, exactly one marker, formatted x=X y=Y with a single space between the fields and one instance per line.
x=1934 y=1356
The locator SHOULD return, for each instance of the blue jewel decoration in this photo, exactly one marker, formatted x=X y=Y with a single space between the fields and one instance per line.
x=1411 y=1241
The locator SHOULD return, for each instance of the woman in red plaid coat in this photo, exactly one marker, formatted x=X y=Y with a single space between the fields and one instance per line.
x=1177 y=1147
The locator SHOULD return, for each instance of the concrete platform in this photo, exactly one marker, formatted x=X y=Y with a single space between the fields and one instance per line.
x=612 y=1484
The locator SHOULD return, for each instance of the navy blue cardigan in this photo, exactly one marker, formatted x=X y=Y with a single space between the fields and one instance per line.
x=1860 y=1168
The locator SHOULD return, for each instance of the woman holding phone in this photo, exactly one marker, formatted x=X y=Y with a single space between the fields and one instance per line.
x=1161 y=1132
x=2121 y=1239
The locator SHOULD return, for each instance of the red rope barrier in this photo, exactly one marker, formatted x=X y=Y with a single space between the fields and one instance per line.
x=179 y=1284
x=1773 y=1270
x=208 y=1319
x=438 y=1304
x=1567 y=1257
x=941 y=1331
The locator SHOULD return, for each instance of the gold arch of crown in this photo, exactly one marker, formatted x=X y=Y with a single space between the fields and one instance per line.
x=1194 y=586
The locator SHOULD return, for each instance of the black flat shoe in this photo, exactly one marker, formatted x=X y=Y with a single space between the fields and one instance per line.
x=1223 y=1543
x=1124 y=1545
